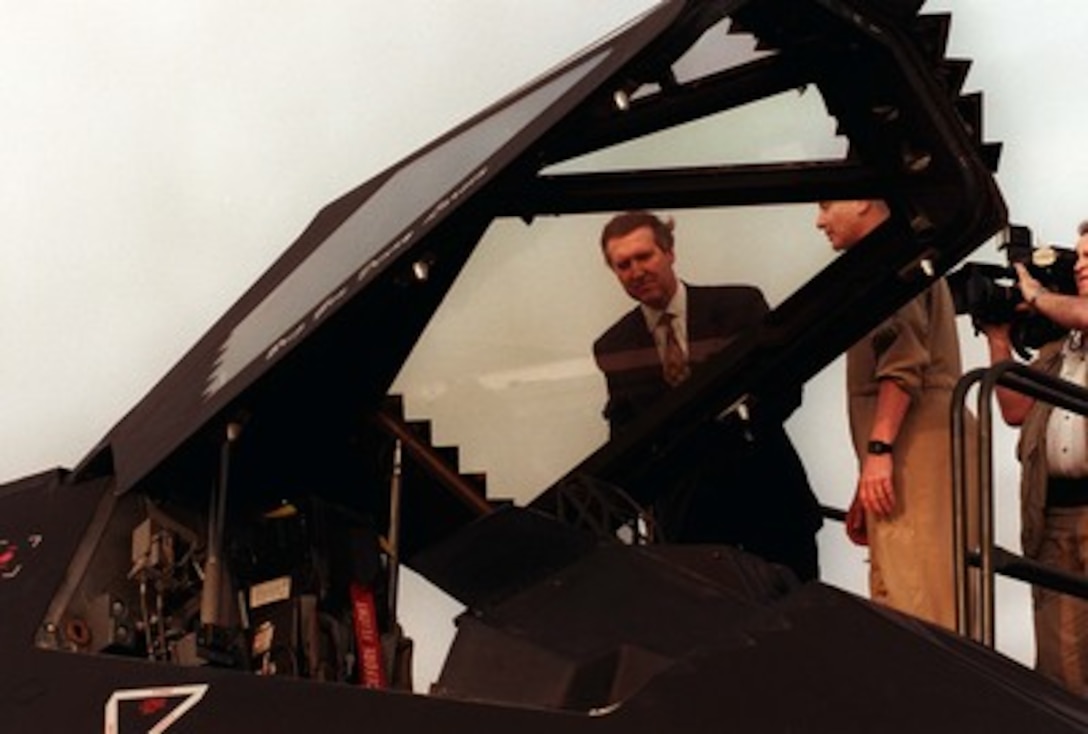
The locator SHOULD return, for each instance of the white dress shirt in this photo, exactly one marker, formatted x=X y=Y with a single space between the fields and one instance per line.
x=1066 y=436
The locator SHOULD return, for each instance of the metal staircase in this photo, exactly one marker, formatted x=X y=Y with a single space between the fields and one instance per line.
x=436 y=498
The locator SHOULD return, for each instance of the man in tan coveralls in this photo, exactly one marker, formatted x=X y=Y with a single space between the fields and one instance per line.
x=899 y=381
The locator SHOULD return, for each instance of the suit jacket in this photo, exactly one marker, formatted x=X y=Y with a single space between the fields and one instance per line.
x=750 y=492
x=627 y=355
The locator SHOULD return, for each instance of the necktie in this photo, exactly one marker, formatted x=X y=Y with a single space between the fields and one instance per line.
x=675 y=364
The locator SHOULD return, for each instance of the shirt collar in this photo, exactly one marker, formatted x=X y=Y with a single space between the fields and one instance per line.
x=1075 y=343
x=677 y=306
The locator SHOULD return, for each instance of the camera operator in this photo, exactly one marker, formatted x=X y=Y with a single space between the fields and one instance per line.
x=1053 y=453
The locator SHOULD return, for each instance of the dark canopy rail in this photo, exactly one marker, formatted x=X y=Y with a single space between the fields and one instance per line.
x=977 y=619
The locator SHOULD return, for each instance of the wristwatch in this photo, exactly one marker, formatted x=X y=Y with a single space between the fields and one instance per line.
x=879 y=447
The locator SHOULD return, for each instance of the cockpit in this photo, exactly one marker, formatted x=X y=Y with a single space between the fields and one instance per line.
x=419 y=359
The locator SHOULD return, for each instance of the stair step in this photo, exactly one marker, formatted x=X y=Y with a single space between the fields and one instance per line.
x=422 y=429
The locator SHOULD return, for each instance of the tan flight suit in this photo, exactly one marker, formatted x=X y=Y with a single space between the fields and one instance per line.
x=911 y=561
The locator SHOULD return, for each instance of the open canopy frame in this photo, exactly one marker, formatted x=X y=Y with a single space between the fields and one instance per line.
x=565 y=632
x=289 y=357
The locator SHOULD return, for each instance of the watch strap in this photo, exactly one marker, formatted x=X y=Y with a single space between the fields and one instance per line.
x=879 y=447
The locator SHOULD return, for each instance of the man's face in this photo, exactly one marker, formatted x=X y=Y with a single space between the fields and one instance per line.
x=842 y=222
x=644 y=270
x=1080 y=267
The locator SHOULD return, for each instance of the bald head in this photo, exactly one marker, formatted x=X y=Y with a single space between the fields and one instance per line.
x=847 y=221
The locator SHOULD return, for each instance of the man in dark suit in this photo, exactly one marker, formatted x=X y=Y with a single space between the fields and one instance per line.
x=749 y=488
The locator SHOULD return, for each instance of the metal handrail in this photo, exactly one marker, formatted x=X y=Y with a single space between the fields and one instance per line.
x=1034 y=384
x=1017 y=567
x=960 y=502
x=433 y=463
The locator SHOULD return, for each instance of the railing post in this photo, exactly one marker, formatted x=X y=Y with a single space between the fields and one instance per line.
x=986 y=499
x=961 y=497
x=1036 y=385
x=395 y=489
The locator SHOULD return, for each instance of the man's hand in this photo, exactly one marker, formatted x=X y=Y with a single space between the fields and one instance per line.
x=1064 y=309
x=875 y=488
x=1029 y=286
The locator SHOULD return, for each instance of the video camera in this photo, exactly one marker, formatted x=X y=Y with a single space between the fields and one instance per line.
x=989 y=292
